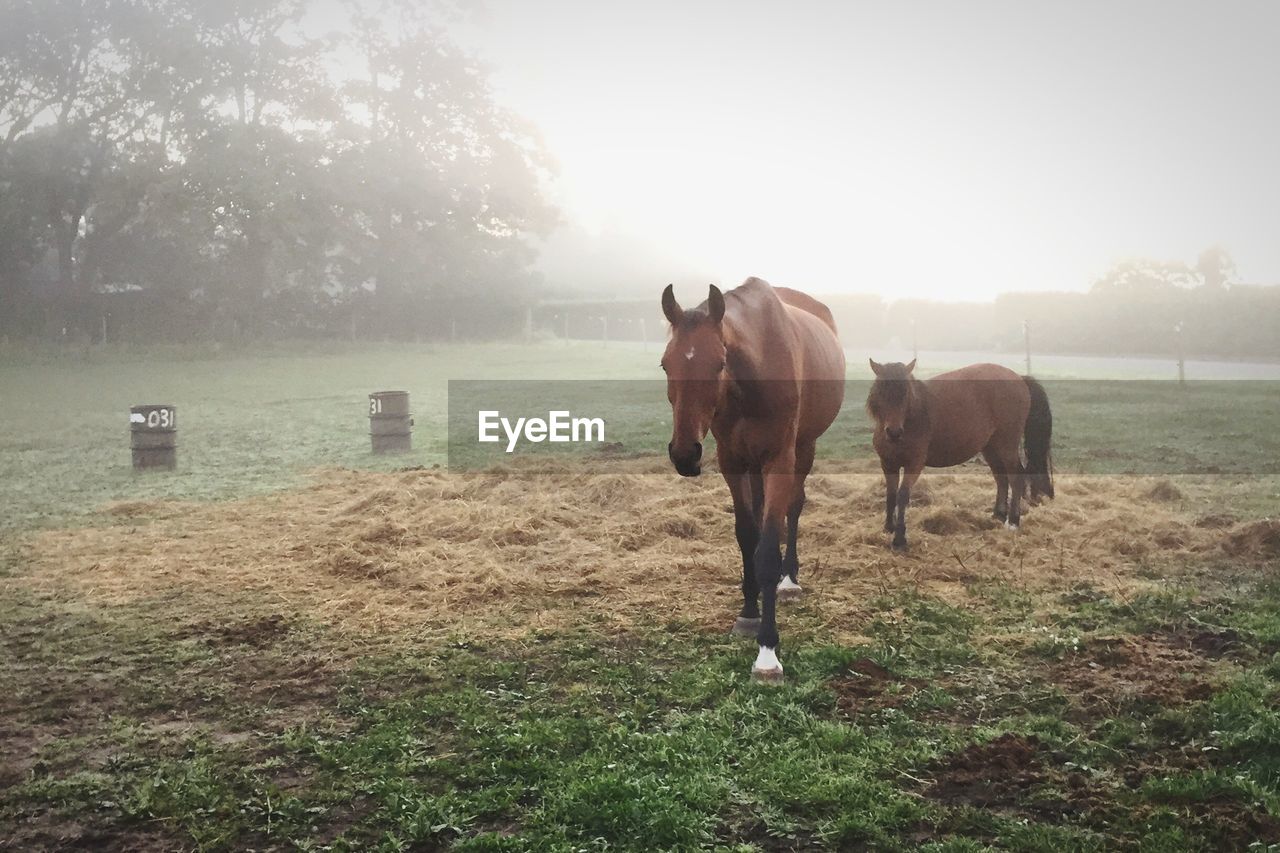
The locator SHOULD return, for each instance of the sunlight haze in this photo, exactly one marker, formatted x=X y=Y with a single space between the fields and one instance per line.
x=938 y=150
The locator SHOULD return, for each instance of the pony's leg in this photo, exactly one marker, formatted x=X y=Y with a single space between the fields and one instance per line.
x=909 y=476
x=1017 y=483
x=744 y=526
x=1001 y=510
x=890 y=496
x=780 y=483
x=789 y=583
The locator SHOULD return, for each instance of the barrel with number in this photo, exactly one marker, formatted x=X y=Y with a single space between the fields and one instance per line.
x=153 y=435
x=390 y=424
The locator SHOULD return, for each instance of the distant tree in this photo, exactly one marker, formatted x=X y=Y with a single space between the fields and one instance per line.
x=441 y=187
x=1215 y=267
x=1145 y=276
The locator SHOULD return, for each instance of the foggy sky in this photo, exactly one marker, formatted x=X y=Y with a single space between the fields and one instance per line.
x=945 y=149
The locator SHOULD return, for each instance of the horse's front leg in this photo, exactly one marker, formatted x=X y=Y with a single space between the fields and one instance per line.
x=744 y=526
x=779 y=492
x=909 y=477
x=890 y=496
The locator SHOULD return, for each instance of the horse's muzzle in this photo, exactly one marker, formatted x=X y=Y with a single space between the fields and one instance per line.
x=894 y=433
x=687 y=464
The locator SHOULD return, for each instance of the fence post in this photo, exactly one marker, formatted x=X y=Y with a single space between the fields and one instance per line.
x=1026 y=341
x=1182 y=359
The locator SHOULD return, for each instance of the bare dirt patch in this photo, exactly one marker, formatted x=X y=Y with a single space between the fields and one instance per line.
x=501 y=551
x=1114 y=674
x=994 y=775
x=868 y=686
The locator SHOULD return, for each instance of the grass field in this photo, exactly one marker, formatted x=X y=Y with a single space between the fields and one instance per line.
x=254 y=424
x=292 y=644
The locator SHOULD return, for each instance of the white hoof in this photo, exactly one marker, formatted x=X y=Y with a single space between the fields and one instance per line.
x=1011 y=527
x=787 y=588
x=767 y=668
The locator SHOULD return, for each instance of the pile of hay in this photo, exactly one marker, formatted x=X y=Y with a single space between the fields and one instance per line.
x=502 y=551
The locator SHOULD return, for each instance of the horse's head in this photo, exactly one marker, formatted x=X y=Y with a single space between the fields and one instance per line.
x=694 y=362
x=890 y=397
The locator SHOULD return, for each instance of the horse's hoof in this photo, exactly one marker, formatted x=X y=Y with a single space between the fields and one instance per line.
x=767 y=669
x=766 y=676
x=788 y=589
x=1013 y=528
x=745 y=626
x=899 y=546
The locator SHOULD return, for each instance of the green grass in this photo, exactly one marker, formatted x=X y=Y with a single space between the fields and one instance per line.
x=648 y=740
x=257 y=423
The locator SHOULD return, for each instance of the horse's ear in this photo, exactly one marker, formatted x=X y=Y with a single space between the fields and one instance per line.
x=715 y=304
x=670 y=307
x=911 y=366
x=876 y=368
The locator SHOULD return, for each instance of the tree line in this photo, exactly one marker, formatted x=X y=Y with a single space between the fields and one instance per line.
x=181 y=169
x=1139 y=307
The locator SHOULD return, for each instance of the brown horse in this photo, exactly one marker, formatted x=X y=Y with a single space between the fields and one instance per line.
x=760 y=367
x=949 y=419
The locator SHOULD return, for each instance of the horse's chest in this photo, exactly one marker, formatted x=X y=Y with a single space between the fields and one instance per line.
x=749 y=439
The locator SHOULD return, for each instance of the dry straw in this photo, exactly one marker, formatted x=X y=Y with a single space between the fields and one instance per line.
x=500 y=552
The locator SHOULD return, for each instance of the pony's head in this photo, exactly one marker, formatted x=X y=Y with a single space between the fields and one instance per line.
x=694 y=361
x=890 y=397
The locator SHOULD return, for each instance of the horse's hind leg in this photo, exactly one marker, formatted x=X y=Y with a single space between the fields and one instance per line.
x=1001 y=510
x=1006 y=457
x=789 y=583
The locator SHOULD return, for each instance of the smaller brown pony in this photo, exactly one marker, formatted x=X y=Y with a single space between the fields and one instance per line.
x=949 y=419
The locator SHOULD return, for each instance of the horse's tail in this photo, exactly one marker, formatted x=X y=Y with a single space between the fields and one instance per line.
x=1036 y=438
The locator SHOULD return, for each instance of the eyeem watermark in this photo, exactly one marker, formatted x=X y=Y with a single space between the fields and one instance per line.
x=559 y=427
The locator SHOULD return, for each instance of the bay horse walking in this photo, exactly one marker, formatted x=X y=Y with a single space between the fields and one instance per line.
x=949 y=419
x=762 y=368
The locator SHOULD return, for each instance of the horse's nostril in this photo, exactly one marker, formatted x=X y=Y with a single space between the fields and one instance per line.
x=697 y=450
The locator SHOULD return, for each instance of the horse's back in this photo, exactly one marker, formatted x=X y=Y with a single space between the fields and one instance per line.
x=970 y=406
x=821 y=364
x=990 y=387
x=805 y=302
x=792 y=336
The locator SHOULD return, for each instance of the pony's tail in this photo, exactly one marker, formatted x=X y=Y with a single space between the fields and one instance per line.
x=1036 y=438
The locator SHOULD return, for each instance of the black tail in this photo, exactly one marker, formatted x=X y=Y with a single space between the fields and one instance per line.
x=1036 y=438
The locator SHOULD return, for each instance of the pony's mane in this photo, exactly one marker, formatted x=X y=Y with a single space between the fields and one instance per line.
x=893 y=373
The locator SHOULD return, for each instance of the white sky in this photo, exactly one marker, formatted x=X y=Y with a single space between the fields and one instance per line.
x=937 y=149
